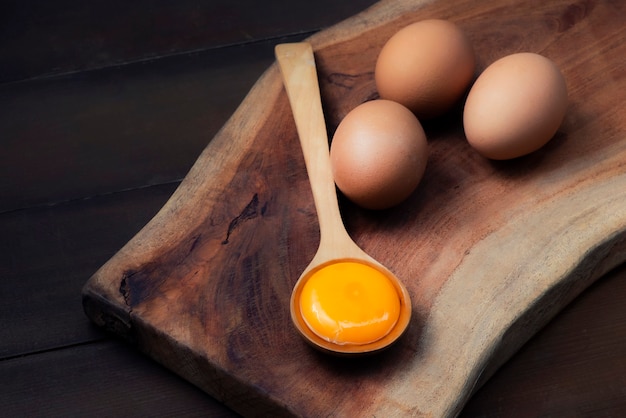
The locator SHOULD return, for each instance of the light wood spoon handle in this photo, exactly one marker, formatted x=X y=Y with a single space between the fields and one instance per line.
x=297 y=65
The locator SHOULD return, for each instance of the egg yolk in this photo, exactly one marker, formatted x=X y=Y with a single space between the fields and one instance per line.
x=349 y=303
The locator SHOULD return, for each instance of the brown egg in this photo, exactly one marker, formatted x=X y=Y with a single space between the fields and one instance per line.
x=378 y=154
x=426 y=66
x=515 y=106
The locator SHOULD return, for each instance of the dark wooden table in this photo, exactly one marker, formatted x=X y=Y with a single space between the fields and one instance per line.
x=104 y=106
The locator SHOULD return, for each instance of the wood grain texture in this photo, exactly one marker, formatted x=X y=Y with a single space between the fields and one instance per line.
x=45 y=255
x=489 y=251
x=543 y=379
x=42 y=38
x=53 y=384
x=149 y=121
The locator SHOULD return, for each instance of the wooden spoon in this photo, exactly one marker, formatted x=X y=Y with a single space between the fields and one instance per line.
x=297 y=66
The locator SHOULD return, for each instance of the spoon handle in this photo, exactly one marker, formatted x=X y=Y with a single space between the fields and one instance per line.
x=297 y=65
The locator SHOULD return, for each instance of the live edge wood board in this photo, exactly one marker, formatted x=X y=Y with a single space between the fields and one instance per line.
x=489 y=251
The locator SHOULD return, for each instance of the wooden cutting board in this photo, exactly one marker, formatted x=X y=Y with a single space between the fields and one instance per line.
x=489 y=251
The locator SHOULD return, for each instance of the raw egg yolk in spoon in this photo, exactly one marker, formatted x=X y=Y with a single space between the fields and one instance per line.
x=349 y=302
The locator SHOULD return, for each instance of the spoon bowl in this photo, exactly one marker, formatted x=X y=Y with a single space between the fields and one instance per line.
x=297 y=65
x=350 y=348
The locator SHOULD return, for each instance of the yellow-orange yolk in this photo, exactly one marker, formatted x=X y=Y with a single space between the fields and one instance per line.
x=349 y=303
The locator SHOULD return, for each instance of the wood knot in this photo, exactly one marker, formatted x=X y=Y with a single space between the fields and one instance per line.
x=574 y=14
x=251 y=211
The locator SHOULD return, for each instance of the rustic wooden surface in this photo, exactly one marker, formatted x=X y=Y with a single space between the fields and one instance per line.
x=90 y=156
x=491 y=252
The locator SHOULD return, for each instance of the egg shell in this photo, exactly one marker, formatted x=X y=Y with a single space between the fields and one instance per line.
x=427 y=66
x=515 y=106
x=378 y=154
